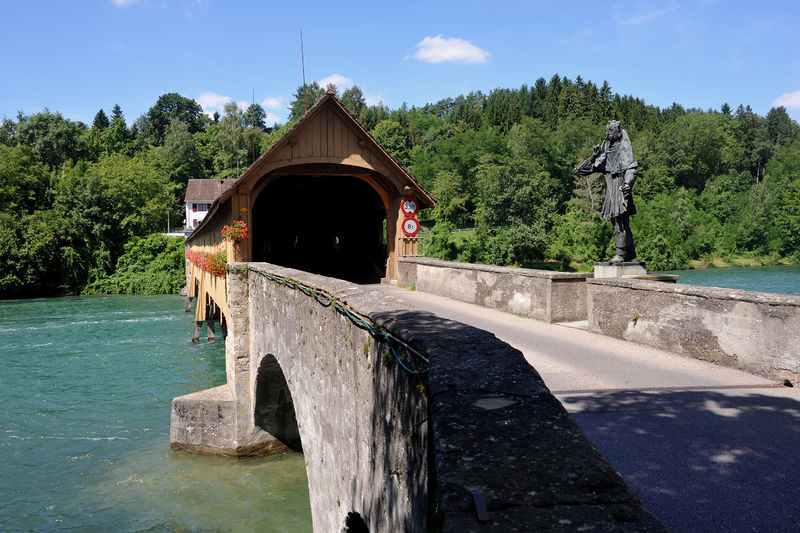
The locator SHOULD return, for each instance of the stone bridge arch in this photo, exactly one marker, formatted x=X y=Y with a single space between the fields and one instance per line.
x=273 y=405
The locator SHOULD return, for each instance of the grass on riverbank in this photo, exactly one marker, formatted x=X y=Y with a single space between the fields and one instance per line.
x=716 y=261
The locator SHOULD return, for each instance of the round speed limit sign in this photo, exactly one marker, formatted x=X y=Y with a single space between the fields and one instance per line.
x=410 y=207
x=410 y=227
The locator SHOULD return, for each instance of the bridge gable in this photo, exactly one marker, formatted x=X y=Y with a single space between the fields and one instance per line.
x=328 y=135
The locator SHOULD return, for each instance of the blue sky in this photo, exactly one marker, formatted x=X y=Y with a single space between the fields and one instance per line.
x=79 y=56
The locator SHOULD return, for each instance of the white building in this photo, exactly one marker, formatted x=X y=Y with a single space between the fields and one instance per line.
x=200 y=194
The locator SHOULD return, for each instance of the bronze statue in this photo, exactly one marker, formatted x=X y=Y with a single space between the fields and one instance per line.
x=618 y=165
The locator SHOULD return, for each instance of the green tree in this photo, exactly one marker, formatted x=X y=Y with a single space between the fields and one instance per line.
x=100 y=121
x=254 y=117
x=8 y=132
x=87 y=234
x=353 y=100
x=53 y=138
x=149 y=265
x=24 y=181
x=513 y=193
x=394 y=138
x=230 y=138
x=371 y=115
x=116 y=112
x=783 y=177
x=451 y=201
x=781 y=129
x=29 y=254
x=578 y=237
x=304 y=98
x=117 y=138
x=693 y=149
x=754 y=140
x=168 y=108
x=181 y=158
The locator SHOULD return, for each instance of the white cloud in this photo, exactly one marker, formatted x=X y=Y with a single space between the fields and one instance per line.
x=124 y=3
x=644 y=18
x=790 y=100
x=271 y=119
x=272 y=102
x=212 y=101
x=336 y=79
x=438 y=50
x=373 y=100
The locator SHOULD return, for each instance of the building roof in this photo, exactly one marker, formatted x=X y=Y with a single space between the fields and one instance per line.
x=206 y=190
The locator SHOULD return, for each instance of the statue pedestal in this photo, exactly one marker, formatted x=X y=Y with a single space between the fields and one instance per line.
x=633 y=269
x=619 y=270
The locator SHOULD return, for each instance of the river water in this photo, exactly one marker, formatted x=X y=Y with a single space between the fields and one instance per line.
x=85 y=391
x=784 y=279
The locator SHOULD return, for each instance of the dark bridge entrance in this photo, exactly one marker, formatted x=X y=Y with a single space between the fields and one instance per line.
x=329 y=225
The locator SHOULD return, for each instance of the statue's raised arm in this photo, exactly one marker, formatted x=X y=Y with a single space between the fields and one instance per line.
x=592 y=164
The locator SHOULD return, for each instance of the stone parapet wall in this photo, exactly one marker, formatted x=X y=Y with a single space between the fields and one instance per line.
x=541 y=294
x=752 y=331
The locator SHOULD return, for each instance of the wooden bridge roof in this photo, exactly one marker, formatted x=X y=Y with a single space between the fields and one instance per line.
x=328 y=134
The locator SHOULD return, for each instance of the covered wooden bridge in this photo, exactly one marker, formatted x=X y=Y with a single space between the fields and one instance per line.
x=325 y=198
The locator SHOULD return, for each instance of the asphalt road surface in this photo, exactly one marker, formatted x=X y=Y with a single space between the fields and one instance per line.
x=708 y=448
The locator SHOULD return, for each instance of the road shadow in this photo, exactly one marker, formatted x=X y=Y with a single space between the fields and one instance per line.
x=702 y=461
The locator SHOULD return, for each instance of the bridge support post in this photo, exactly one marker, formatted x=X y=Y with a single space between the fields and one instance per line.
x=189 y=302
x=212 y=336
x=198 y=330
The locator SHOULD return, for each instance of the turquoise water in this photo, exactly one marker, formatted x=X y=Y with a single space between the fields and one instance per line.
x=85 y=386
x=778 y=279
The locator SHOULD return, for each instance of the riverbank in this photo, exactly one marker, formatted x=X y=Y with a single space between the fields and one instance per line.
x=716 y=261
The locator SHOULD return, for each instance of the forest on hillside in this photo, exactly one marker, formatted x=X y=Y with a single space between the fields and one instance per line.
x=81 y=205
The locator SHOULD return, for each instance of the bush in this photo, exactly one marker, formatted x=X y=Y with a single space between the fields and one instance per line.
x=149 y=265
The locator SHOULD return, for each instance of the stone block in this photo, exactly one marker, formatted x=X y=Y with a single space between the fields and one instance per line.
x=619 y=270
x=204 y=422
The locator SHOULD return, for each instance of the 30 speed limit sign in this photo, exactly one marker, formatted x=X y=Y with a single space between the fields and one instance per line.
x=410 y=226
x=410 y=206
